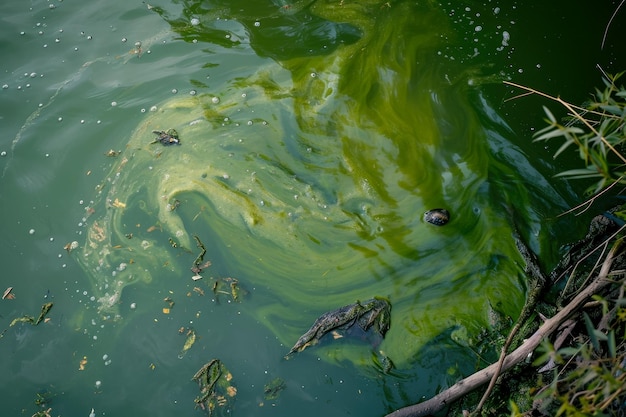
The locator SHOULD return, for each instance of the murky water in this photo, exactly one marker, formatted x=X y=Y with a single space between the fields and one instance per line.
x=314 y=135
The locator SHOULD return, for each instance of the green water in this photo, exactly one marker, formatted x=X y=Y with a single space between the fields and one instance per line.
x=314 y=136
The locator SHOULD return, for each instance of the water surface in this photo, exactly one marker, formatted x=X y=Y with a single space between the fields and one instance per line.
x=314 y=136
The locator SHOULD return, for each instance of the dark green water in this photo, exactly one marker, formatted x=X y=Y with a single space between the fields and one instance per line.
x=314 y=135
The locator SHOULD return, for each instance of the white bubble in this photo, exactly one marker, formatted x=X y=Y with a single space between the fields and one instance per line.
x=193 y=92
x=505 y=38
x=137 y=44
x=215 y=100
x=195 y=21
x=313 y=75
x=124 y=39
x=133 y=306
x=249 y=122
x=82 y=121
x=478 y=28
x=3 y=153
x=113 y=103
x=60 y=119
x=257 y=23
x=98 y=385
x=153 y=108
x=143 y=110
x=105 y=357
x=174 y=91
x=5 y=86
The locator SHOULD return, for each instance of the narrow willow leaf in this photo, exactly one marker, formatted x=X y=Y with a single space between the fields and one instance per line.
x=563 y=147
x=549 y=114
x=554 y=132
x=580 y=173
x=611 y=344
x=591 y=332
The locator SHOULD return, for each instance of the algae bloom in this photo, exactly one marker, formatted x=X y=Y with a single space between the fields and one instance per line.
x=309 y=178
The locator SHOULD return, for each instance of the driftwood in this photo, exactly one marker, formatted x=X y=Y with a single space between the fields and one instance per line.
x=483 y=376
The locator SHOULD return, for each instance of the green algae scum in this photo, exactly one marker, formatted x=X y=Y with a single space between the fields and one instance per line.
x=310 y=179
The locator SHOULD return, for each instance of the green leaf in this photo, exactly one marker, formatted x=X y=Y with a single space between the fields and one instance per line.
x=611 y=343
x=590 y=172
x=563 y=147
x=591 y=331
x=549 y=114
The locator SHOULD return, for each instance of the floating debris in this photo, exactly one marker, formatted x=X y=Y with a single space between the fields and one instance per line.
x=374 y=313
x=230 y=287
x=82 y=363
x=216 y=390
x=272 y=390
x=8 y=294
x=200 y=258
x=173 y=205
x=44 y=311
x=71 y=246
x=30 y=319
x=118 y=204
x=166 y=138
x=191 y=339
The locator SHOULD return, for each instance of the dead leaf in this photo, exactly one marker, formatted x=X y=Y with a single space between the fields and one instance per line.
x=82 y=363
x=8 y=294
x=117 y=203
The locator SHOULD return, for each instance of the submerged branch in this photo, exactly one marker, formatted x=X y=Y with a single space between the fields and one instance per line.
x=481 y=377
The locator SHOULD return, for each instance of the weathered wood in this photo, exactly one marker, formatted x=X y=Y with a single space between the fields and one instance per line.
x=481 y=377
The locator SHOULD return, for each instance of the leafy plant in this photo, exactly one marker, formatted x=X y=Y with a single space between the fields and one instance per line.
x=597 y=129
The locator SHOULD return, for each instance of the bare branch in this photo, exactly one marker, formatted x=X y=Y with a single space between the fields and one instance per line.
x=483 y=376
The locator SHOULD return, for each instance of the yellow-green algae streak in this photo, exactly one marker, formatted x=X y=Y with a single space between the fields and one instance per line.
x=312 y=176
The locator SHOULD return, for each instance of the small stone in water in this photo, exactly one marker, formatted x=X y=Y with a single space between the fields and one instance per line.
x=437 y=217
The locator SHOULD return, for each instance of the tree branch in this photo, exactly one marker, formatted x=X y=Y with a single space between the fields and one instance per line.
x=481 y=377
